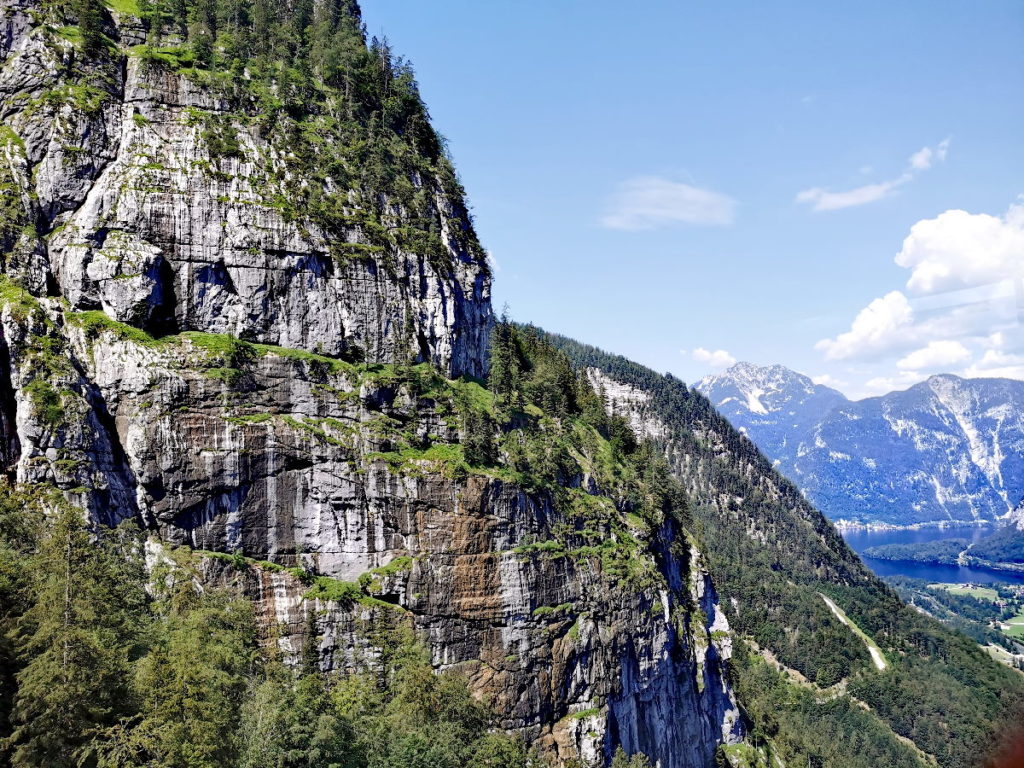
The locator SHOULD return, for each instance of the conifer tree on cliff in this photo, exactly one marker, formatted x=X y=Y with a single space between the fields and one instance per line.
x=78 y=637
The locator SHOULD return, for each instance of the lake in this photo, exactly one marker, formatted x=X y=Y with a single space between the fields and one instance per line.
x=950 y=574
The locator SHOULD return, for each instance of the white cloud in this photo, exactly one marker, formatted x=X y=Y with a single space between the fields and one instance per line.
x=883 y=385
x=828 y=380
x=966 y=314
x=938 y=355
x=995 y=341
x=821 y=199
x=960 y=250
x=967 y=275
x=997 y=364
x=883 y=324
x=922 y=159
x=648 y=202
x=717 y=359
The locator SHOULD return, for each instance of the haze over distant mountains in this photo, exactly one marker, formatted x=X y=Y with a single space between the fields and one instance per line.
x=947 y=449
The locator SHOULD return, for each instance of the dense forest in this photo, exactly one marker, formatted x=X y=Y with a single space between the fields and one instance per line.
x=107 y=661
x=944 y=551
x=1004 y=546
x=940 y=690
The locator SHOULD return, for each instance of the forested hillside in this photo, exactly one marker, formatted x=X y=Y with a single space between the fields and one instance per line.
x=773 y=557
x=278 y=490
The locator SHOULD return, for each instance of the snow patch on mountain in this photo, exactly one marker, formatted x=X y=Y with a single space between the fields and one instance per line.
x=947 y=449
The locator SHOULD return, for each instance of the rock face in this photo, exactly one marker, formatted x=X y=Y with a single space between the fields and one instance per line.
x=183 y=345
x=948 y=449
x=1016 y=518
x=166 y=206
x=286 y=457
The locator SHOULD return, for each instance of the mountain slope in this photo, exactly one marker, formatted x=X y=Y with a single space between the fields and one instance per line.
x=774 y=557
x=242 y=305
x=771 y=404
x=948 y=449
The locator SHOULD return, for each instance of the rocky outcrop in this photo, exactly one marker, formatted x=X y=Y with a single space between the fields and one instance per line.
x=167 y=206
x=272 y=392
x=302 y=462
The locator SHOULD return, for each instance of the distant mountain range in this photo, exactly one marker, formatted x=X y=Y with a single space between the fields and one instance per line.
x=947 y=449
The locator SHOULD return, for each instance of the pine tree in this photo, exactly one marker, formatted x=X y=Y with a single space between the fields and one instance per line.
x=192 y=681
x=89 y=14
x=77 y=638
x=478 y=439
x=292 y=724
x=202 y=31
x=18 y=512
x=505 y=373
x=622 y=760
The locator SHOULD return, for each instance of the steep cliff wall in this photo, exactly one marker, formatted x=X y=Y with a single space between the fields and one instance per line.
x=174 y=200
x=584 y=625
x=223 y=315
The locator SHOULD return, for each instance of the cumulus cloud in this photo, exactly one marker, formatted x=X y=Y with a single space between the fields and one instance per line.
x=938 y=355
x=962 y=311
x=823 y=199
x=966 y=273
x=718 y=358
x=882 y=385
x=649 y=202
x=957 y=250
x=828 y=380
x=1003 y=357
x=881 y=324
x=997 y=364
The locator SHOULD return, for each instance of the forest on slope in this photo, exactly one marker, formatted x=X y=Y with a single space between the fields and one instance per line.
x=242 y=529
x=773 y=555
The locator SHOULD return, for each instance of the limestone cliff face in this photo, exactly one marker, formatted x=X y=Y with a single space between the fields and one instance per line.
x=166 y=205
x=180 y=343
x=291 y=459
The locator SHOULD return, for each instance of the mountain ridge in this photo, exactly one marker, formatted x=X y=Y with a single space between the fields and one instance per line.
x=942 y=451
x=289 y=489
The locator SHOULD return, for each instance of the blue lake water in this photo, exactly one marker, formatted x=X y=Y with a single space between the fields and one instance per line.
x=951 y=574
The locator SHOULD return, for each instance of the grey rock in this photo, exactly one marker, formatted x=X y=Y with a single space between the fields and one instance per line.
x=946 y=450
x=124 y=384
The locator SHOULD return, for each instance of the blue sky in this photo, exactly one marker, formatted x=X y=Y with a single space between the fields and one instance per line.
x=687 y=183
